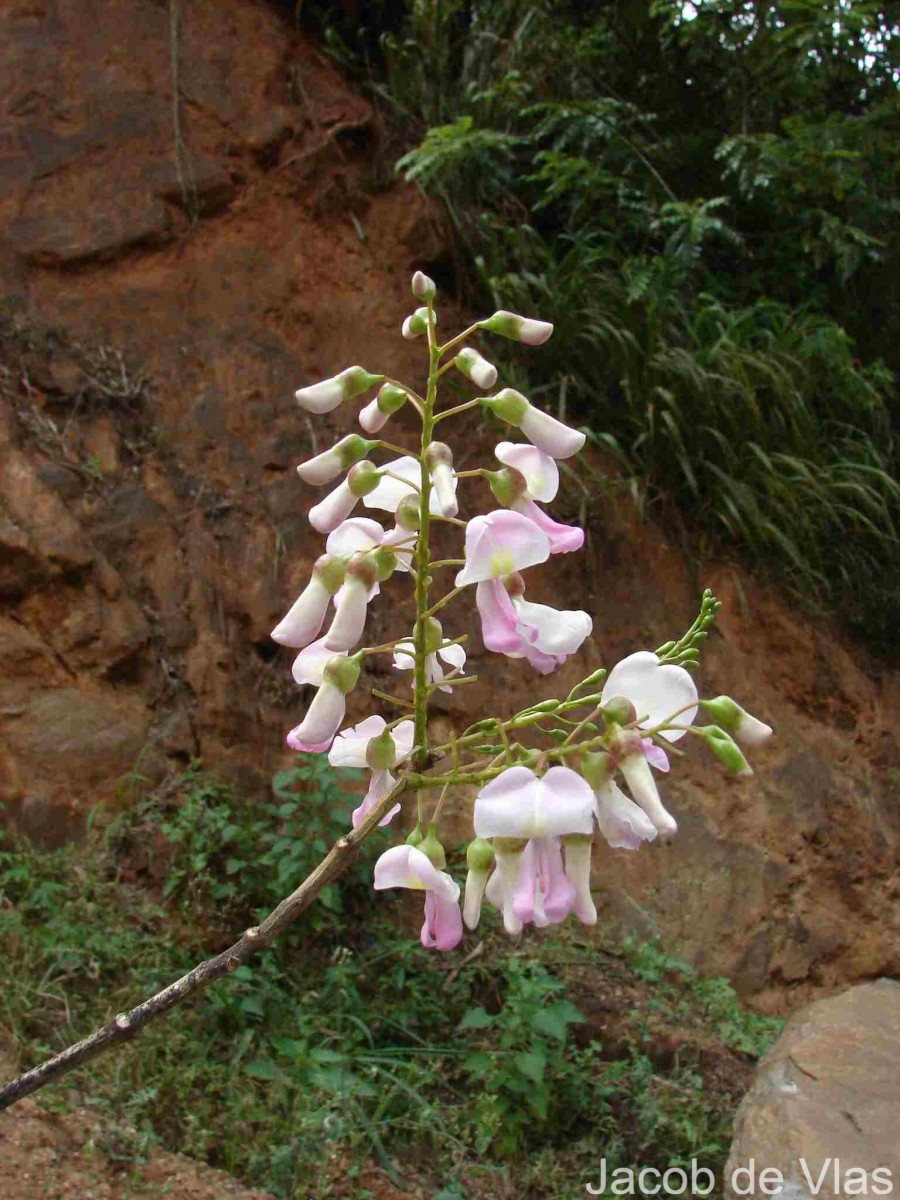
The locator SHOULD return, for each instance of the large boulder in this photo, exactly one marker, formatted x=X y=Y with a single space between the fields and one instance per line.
x=824 y=1111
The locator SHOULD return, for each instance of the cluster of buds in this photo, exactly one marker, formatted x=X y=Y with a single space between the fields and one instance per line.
x=537 y=810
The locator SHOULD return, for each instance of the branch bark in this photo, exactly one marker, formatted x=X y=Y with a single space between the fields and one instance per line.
x=129 y=1024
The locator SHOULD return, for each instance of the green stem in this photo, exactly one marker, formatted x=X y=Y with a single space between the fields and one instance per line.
x=423 y=561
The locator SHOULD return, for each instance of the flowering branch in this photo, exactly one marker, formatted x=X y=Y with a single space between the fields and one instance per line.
x=538 y=806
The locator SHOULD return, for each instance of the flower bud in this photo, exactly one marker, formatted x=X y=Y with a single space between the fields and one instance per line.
x=518 y=329
x=433 y=850
x=343 y=673
x=740 y=724
x=434 y=635
x=327 y=395
x=509 y=405
x=618 y=710
x=416 y=324
x=381 y=752
x=507 y=484
x=384 y=561
x=408 y=513
x=363 y=478
x=479 y=858
x=598 y=769
x=726 y=750
x=477 y=368
x=414 y=837
x=423 y=288
x=328 y=465
x=390 y=399
x=439 y=460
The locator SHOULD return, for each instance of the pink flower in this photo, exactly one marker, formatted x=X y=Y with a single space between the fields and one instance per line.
x=334 y=676
x=541 y=477
x=515 y=627
x=542 y=895
x=657 y=691
x=498 y=544
x=518 y=805
x=407 y=867
x=655 y=755
x=351 y=746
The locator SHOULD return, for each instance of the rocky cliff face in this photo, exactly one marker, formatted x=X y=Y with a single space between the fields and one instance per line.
x=187 y=234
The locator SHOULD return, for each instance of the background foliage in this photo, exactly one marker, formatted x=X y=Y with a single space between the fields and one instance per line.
x=345 y=1044
x=703 y=197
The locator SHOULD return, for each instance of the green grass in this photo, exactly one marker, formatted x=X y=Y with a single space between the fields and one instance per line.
x=346 y=1039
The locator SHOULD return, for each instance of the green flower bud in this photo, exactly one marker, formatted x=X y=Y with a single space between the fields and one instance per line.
x=391 y=398
x=726 y=749
x=356 y=380
x=330 y=572
x=381 y=752
x=414 y=837
x=363 y=478
x=434 y=635
x=384 y=561
x=598 y=769
x=362 y=567
x=423 y=288
x=343 y=673
x=408 y=513
x=479 y=854
x=507 y=485
x=438 y=454
x=509 y=405
x=353 y=447
x=618 y=710
x=433 y=850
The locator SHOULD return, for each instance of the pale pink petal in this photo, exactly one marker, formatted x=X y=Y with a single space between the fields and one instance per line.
x=539 y=469
x=476 y=882
x=656 y=690
x=350 y=745
x=310 y=663
x=578 y=872
x=655 y=755
x=323 y=467
x=569 y=802
x=502 y=885
x=372 y=418
x=624 y=825
x=750 y=730
x=509 y=806
x=499 y=544
x=335 y=508
x=499 y=621
x=321 y=397
x=643 y=788
x=454 y=656
x=443 y=928
x=379 y=786
x=444 y=479
x=404 y=736
x=305 y=617
x=550 y=435
x=563 y=538
x=354 y=535
x=404 y=656
x=322 y=720
x=559 y=632
x=405 y=867
x=350 y=616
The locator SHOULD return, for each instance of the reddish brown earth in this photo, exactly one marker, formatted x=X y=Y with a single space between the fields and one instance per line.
x=162 y=303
